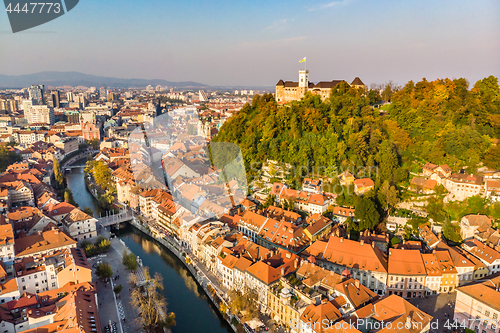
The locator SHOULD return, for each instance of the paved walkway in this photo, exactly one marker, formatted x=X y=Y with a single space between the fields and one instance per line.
x=109 y=306
x=441 y=307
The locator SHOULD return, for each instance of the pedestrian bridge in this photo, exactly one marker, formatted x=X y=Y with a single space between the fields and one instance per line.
x=116 y=219
x=69 y=167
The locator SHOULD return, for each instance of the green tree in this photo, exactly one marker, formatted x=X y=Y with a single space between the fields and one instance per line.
x=118 y=289
x=104 y=271
x=68 y=197
x=387 y=195
x=129 y=260
x=451 y=231
x=495 y=210
x=95 y=144
x=58 y=176
x=8 y=157
x=395 y=241
x=366 y=214
x=88 y=211
x=269 y=201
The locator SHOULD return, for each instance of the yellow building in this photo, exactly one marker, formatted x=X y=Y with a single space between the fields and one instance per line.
x=287 y=91
x=283 y=306
x=449 y=277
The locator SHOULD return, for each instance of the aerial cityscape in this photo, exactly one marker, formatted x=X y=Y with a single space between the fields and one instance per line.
x=328 y=167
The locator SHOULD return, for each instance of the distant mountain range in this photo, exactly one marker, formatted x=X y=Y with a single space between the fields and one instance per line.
x=74 y=79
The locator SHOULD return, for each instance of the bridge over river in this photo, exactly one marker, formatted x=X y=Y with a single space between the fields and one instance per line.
x=116 y=219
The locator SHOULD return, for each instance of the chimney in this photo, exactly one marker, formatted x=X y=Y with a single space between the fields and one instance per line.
x=324 y=301
x=361 y=242
x=356 y=283
x=282 y=271
x=296 y=263
x=373 y=244
x=341 y=239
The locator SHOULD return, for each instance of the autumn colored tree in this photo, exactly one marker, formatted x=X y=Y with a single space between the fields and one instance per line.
x=152 y=305
x=68 y=197
x=58 y=176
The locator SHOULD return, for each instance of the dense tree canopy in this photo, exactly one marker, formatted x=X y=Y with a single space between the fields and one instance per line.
x=7 y=158
x=448 y=122
x=442 y=121
x=101 y=174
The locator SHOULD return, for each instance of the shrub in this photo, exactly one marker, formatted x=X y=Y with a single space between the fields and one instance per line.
x=117 y=289
x=129 y=260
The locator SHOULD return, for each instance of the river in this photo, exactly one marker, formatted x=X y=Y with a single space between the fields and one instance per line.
x=194 y=312
x=76 y=183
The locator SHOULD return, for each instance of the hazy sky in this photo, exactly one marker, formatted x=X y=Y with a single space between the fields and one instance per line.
x=257 y=42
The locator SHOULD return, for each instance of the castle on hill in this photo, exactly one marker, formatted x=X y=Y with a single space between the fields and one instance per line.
x=294 y=91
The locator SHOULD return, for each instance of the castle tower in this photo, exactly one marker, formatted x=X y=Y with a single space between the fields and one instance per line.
x=303 y=78
x=303 y=83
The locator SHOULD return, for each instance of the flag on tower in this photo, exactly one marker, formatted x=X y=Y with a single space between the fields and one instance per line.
x=303 y=60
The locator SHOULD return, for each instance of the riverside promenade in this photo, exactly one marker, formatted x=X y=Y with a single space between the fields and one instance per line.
x=111 y=307
x=204 y=278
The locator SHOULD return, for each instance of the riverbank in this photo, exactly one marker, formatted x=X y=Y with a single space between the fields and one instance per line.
x=208 y=283
x=111 y=307
x=193 y=305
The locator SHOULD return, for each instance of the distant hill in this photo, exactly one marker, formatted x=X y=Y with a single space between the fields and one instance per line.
x=79 y=79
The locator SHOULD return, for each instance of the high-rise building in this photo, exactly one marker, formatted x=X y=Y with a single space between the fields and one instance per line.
x=103 y=93
x=56 y=98
x=36 y=94
x=12 y=105
x=113 y=96
x=80 y=98
x=202 y=96
x=38 y=114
